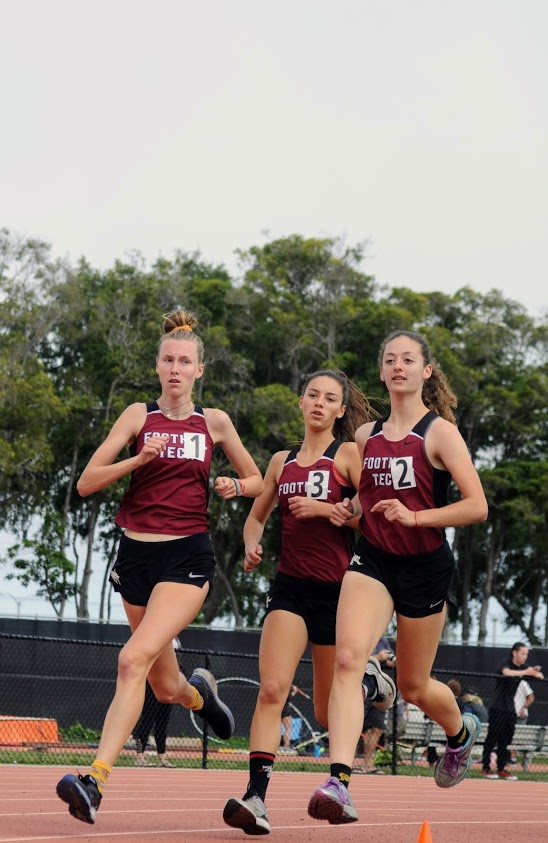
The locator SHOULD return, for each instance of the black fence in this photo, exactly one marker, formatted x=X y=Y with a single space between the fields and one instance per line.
x=54 y=694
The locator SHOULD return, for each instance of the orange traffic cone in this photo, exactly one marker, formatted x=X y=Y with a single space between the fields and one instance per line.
x=425 y=836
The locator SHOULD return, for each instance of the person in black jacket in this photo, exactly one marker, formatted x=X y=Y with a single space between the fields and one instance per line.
x=502 y=712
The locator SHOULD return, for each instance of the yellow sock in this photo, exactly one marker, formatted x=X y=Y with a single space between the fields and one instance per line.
x=197 y=702
x=100 y=772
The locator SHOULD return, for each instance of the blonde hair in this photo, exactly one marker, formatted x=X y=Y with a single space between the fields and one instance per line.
x=179 y=325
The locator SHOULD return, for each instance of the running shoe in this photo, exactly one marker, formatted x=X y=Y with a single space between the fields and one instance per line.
x=509 y=777
x=489 y=775
x=386 y=687
x=249 y=814
x=455 y=763
x=81 y=795
x=214 y=712
x=332 y=802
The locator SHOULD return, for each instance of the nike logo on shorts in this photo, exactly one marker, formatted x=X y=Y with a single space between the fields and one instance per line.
x=195 y=576
x=437 y=603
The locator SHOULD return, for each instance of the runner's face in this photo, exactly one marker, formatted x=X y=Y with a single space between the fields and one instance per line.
x=177 y=367
x=321 y=402
x=403 y=368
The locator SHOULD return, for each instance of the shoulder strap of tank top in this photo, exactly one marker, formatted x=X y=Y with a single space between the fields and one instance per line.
x=422 y=426
x=377 y=427
x=332 y=449
x=292 y=454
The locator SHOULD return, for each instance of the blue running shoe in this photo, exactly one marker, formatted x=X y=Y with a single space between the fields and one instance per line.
x=81 y=795
x=332 y=802
x=214 y=712
x=454 y=764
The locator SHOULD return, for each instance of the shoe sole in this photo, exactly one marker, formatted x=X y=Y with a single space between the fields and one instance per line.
x=458 y=778
x=206 y=676
x=236 y=815
x=77 y=799
x=383 y=706
x=323 y=807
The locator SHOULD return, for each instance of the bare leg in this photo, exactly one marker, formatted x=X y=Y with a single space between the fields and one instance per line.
x=358 y=631
x=323 y=659
x=418 y=640
x=283 y=641
x=172 y=606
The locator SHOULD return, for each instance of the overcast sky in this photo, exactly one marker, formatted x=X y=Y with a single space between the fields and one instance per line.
x=421 y=125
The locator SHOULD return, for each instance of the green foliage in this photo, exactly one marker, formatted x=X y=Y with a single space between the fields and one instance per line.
x=79 y=345
x=76 y=733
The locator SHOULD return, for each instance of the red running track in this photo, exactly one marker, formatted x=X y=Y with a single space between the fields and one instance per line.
x=173 y=806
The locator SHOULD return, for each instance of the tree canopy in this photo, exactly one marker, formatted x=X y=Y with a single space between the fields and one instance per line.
x=79 y=344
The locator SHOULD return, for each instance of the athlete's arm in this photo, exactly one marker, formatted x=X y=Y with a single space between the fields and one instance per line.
x=348 y=512
x=446 y=449
x=260 y=512
x=101 y=470
x=225 y=434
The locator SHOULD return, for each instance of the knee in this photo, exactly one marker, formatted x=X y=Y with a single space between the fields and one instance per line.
x=271 y=693
x=131 y=665
x=411 y=692
x=347 y=663
x=165 y=694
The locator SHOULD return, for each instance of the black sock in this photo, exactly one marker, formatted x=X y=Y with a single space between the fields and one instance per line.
x=370 y=685
x=341 y=772
x=260 y=769
x=456 y=741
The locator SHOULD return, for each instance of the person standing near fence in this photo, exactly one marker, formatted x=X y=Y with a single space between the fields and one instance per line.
x=402 y=563
x=165 y=561
x=154 y=719
x=502 y=711
x=302 y=601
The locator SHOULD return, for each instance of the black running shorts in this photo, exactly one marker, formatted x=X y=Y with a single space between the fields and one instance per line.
x=419 y=585
x=373 y=718
x=315 y=602
x=141 y=565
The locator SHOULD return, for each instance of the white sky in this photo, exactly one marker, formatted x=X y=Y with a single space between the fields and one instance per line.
x=419 y=124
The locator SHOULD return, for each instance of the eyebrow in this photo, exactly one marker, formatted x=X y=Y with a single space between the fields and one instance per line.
x=329 y=394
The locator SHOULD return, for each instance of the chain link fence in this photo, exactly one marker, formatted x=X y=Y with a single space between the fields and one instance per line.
x=54 y=694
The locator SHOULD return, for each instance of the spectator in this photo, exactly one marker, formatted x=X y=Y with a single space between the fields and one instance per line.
x=287 y=720
x=523 y=701
x=154 y=719
x=502 y=713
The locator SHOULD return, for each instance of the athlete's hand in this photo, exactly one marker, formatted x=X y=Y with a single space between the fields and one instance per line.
x=153 y=447
x=225 y=487
x=253 y=556
x=342 y=512
x=304 y=507
x=394 y=510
